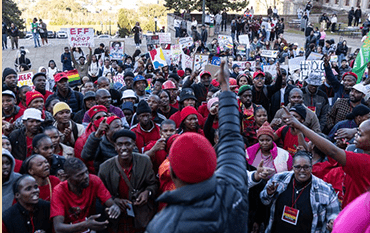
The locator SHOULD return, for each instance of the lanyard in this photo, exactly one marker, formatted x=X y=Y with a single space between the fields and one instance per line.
x=299 y=195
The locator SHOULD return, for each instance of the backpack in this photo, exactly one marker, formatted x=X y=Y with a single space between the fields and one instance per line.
x=74 y=130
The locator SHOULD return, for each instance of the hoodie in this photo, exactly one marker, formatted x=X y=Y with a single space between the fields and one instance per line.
x=8 y=195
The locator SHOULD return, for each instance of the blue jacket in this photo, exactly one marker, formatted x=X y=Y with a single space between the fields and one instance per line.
x=74 y=99
x=219 y=204
x=67 y=63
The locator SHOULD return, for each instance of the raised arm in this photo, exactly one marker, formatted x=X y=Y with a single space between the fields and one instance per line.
x=231 y=162
x=332 y=80
x=277 y=85
x=73 y=57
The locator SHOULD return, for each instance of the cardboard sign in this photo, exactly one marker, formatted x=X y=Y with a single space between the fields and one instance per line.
x=295 y=63
x=119 y=79
x=81 y=37
x=164 y=38
x=200 y=61
x=25 y=78
x=158 y=58
x=271 y=69
x=152 y=40
x=216 y=61
x=308 y=67
x=116 y=50
x=244 y=39
x=314 y=56
x=269 y=53
x=212 y=69
x=167 y=56
x=186 y=42
x=186 y=61
x=225 y=41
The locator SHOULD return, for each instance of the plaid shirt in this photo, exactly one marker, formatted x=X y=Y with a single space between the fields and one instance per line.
x=324 y=202
x=338 y=112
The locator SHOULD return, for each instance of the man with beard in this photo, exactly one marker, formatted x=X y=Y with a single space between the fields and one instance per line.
x=139 y=85
x=146 y=130
x=130 y=179
x=103 y=97
x=201 y=88
x=104 y=83
x=21 y=139
x=296 y=97
x=65 y=94
x=340 y=90
x=261 y=93
x=246 y=107
x=10 y=80
x=344 y=106
x=39 y=81
x=68 y=128
x=73 y=201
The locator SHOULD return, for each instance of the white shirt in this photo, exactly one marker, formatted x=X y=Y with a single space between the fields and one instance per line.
x=282 y=93
x=176 y=23
x=194 y=23
x=334 y=20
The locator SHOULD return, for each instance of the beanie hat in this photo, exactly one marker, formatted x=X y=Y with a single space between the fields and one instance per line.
x=95 y=109
x=130 y=74
x=235 y=66
x=243 y=89
x=31 y=95
x=60 y=106
x=38 y=74
x=232 y=82
x=192 y=158
x=185 y=112
x=7 y=71
x=111 y=119
x=359 y=110
x=181 y=73
x=211 y=102
x=143 y=107
x=174 y=76
x=314 y=79
x=124 y=133
x=265 y=129
x=300 y=110
x=215 y=83
x=128 y=106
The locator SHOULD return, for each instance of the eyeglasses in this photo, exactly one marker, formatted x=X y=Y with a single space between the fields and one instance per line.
x=305 y=167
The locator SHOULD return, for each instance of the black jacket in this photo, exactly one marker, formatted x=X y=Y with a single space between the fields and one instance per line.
x=351 y=14
x=116 y=97
x=358 y=13
x=19 y=143
x=74 y=99
x=276 y=99
x=219 y=204
x=17 y=219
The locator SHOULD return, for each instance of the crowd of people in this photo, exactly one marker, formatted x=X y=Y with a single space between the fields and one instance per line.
x=187 y=150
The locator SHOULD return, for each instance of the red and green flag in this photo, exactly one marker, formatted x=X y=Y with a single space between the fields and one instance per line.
x=362 y=59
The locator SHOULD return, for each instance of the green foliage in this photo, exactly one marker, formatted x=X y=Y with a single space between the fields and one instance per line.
x=11 y=14
x=212 y=6
x=127 y=18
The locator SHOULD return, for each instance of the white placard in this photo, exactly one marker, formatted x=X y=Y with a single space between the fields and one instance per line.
x=308 y=67
x=164 y=38
x=81 y=37
x=269 y=53
x=186 y=42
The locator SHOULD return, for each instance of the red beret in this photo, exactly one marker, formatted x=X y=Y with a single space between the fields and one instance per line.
x=349 y=73
x=97 y=108
x=185 y=112
x=31 y=95
x=257 y=73
x=181 y=73
x=192 y=158
x=112 y=118
x=170 y=141
x=215 y=83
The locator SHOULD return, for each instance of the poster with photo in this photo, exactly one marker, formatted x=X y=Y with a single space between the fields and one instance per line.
x=116 y=50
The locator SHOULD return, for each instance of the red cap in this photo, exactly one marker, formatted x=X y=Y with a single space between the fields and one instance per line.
x=31 y=95
x=181 y=73
x=258 y=73
x=185 y=112
x=112 y=118
x=168 y=85
x=349 y=73
x=60 y=76
x=205 y=72
x=215 y=83
x=192 y=158
x=94 y=110
x=232 y=82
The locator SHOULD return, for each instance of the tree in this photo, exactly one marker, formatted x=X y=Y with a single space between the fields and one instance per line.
x=11 y=14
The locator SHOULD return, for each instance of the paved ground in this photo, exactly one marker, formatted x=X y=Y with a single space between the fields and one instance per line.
x=41 y=56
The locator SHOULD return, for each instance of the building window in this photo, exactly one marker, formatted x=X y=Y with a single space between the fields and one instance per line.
x=358 y=3
x=347 y=2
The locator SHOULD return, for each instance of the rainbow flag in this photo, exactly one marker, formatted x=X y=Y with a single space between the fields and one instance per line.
x=73 y=78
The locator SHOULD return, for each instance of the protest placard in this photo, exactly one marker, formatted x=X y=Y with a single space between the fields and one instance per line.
x=241 y=64
x=176 y=53
x=116 y=49
x=216 y=61
x=186 y=61
x=241 y=49
x=200 y=61
x=315 y=66
x=167 y=55
x=186 y=42
x=269 y=53
x=25 y=78
x=158 y=58
x=212 y=69
x=119 y=79
x=334 y=58
x=295 y=63
x=314 y=56
x=81 y=37
x=164 y=38
x=152 y=40
x=225 y=41
x=244 y=39
x=271 y=69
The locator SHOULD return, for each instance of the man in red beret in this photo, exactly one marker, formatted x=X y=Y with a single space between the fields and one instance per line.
x=205 y=201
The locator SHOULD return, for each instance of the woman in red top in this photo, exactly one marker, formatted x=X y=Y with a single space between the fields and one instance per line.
x=38 y=167
x=189 y=121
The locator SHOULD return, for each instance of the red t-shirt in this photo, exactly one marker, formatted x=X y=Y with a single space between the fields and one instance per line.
x=158 y=158
x=175 y=105
x=75 y=208
x=29 y=146
x=45 y=189
x=290 y=142
x=357 y=176
x=123 y=188
x=143 y=138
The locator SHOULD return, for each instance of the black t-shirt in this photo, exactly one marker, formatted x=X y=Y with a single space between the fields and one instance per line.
x=303 y=204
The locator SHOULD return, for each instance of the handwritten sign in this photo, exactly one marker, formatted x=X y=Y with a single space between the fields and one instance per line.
x=164 y=38
x=270 y=69
x=225 y=41
x=315 y=56
x=295 y=63
x=244 y=39
x=116 y=50
x=186 y=42
x=152 y=40
x=186 y=61
x=119 y=79
x=269 y=53
x=200 y=61
x=308 y=67
x=81 y=37
x=25 y=78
